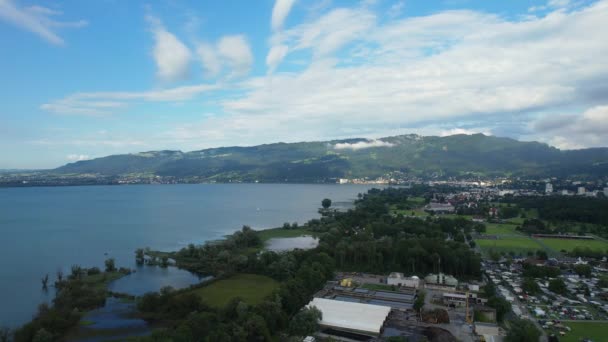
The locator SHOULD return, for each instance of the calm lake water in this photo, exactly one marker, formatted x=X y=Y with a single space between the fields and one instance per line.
x=46 y=229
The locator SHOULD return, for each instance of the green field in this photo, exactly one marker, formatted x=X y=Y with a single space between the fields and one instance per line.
x=508 y=244
x=252 y=288
x=500 y=229
x=580 y=330
x=268 y=234
x=568 y=245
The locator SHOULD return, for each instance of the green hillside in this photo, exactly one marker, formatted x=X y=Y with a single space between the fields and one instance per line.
x=320 y=161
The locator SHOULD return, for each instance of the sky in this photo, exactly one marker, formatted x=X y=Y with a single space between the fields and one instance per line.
x=85 y=79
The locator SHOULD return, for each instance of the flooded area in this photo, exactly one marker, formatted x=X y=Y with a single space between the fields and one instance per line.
x=288 y=244
x=153 y=278
x=114 y=321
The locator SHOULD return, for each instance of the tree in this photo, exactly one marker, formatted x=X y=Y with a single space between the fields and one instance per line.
x=139 y=256
x=45 y=282
x=43 y=336
x=5 y=334
x=558 y=286
x=490 y=289
x=501 y=305
x=326 y=203
x=583 y=270
x=542 y=255
x=110 y=265
x=530 y=286
x=419 y=302
x=305 y=322
x=522 y=330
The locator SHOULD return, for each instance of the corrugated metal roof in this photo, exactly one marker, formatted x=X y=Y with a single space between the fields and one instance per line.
x=354 y=316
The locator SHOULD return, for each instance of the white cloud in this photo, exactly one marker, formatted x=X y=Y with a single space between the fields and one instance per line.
x=209 y=59
x=367 y=78
x=575 y=131
x=328 y=33
x=103 y=103
x=172 y=57
x=279 y=13
x=77 y=157
x=454 y=131
x=362 y=145
x=36 y=19
x=275 y=56
x=237 y=53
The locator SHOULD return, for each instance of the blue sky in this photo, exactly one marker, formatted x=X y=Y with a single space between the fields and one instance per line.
x=81 y=80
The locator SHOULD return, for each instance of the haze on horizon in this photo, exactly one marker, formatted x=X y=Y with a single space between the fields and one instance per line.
x=84 y=80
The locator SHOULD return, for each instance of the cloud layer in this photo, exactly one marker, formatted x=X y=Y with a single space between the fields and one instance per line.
x=359 y=75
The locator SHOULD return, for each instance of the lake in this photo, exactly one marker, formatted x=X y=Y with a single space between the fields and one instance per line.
x=46 y=229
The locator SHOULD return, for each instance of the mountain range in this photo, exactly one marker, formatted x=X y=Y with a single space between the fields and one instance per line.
x=412 y=155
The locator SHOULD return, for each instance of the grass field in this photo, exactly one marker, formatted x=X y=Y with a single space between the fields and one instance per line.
x=500 y=229
x=568 y=245
x=252 y=288
x=580 y=330
x=515 y=244
x=274 y=233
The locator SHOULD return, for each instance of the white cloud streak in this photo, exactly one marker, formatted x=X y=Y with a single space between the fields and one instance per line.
x=362 y=145
x=104 y=103
x=280 y=11
x=37 y=19
x=77 y=157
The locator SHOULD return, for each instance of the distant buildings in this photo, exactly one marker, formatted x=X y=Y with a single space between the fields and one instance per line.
x=398 y=279
x=440 y=208
x=606 y=191
x=581 y=190
x=548 y=188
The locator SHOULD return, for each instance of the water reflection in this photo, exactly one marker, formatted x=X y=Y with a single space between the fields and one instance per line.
x=152 y=279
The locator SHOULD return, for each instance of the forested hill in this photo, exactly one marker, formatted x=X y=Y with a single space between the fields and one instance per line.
x=355 y=158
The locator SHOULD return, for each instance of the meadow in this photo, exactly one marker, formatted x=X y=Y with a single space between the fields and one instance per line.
x=251 y=288
x=581 y=330
x=568 y=245
x=509 y=244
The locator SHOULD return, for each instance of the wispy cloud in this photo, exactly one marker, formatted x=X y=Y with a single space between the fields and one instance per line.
x=103 y=103
x=77 y=157
x=37 y=19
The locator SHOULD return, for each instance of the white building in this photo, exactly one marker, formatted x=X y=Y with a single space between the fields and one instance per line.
x=548 y=188
x=358 y=318
x=606 y=191
x=398 y=279
x=581 y=190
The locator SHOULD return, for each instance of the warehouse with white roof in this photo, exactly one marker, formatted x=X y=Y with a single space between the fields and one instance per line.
x=358 y=318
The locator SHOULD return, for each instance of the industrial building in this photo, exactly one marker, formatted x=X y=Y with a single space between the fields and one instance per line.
x=397 y=279
x=346 y=318
x=440 y=281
